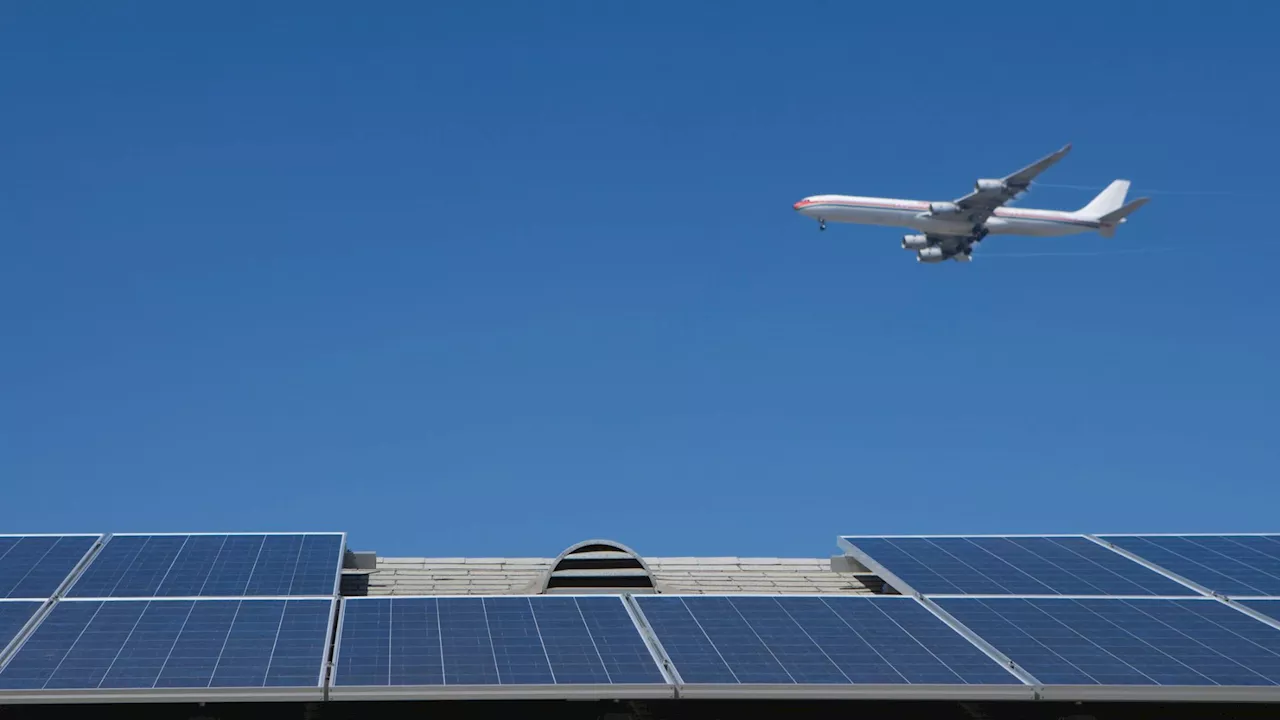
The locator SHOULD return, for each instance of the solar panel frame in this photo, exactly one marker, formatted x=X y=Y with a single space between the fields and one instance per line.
x=1264 y=610
x=334 y=591
x=1271 y=605
x=1114 y=540
x=600 y=691
x=1019 y=688
x=309 y=693
x=1137 y=693
x=848 y=543
x=98 y=540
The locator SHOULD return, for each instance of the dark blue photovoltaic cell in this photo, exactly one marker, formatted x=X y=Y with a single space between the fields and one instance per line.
x=814 y=640
x=13 y=615
x=1014 y=566
x=33 y=566
x=1063 y=641
x=1239 y=565
x=212 y=566
x=543 y=640
x=92 y=644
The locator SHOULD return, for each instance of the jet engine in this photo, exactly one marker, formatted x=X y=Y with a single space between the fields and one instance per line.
x=990 y=186
x=915 y=242
x=944 y=208
x=931 y=255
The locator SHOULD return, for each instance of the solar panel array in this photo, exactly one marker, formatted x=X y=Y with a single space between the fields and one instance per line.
x=1104 y=617
x=241 y=616
x=253 y=616
x=213 y=566
x=184 y=644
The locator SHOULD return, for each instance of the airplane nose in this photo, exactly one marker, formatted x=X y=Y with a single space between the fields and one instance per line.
x=800 y=204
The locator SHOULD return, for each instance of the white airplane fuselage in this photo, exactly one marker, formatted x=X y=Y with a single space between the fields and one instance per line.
x=914 y=214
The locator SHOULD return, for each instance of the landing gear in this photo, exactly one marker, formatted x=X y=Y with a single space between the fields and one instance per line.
x=822 y=224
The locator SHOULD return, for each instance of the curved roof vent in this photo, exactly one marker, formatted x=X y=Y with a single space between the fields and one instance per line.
x=599 y=566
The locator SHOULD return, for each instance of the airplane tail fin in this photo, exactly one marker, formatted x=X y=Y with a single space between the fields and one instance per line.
x=1112 y=220
x=1107 y=201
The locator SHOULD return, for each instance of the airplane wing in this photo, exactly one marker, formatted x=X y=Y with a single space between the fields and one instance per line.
x=988 y=195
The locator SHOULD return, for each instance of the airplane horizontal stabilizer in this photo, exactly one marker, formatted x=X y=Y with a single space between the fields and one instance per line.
x=1111 y=220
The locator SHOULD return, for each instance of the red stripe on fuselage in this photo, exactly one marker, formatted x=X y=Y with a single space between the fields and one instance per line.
x=914 y=205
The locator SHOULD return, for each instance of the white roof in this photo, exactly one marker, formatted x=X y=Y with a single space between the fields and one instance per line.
x=688 y=575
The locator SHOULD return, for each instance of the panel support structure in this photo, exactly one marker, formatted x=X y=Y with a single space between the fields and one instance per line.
x=880 y=571
x=858 y=692
x=164 y=695
x=72 y=576
x=1255 y=614
x=660 y=656
x=47 y=604
x=6 y=651
x=1159 y=694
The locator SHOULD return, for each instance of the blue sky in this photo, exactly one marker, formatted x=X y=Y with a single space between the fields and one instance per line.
x=494 y=278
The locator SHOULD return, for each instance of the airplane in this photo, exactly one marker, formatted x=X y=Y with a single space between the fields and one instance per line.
x=950 y=230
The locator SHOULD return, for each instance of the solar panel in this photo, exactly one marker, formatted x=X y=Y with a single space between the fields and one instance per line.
x=885 y=646
x=232 y=565
x=13 y=615
x=1008 y=565
x=1232 y=565
x=1128 y=646
x=514 y=646
x=99 y=648
x=34 y=566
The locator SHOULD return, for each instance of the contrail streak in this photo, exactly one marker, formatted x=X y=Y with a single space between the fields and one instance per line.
x=1099 y=188
x=1135 y=251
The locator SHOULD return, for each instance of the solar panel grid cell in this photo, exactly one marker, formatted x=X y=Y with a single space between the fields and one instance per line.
x=1233 y=565
x=1014 y=565
x=555 y=633
x=34 y=566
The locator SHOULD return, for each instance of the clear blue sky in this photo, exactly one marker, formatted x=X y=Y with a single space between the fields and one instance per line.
x=491 y=278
